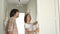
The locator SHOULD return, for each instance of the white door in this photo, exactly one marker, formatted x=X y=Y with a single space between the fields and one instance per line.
x=46 y=16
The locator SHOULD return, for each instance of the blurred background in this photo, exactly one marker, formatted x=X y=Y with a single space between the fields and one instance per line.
x=46 y=12
x=24 y=6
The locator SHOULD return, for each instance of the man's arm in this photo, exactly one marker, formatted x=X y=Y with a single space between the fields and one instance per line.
x=10 y=27
x=10 y=32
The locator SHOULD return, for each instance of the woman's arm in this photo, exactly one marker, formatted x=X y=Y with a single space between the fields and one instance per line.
x=34 y=23
x=37 y=30
x=29 y=32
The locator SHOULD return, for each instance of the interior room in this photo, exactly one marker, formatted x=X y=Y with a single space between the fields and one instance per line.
x=24 y=6
x=46 y=12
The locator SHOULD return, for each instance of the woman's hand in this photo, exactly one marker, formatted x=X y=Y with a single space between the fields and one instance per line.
x=37 y=30
x=34 y=23
x=29 y=32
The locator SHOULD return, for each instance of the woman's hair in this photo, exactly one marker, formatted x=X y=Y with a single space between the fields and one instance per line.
x=13 y=12
x=25 y=18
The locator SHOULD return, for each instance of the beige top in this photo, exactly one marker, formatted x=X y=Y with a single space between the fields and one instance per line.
x=12 y=27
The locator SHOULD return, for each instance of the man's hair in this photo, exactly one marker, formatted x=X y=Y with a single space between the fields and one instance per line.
x=25 y=18
x=13 y=12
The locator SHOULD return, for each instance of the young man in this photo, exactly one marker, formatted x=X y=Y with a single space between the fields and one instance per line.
x=11 y=27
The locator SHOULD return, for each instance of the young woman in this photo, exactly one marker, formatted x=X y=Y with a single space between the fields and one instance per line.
x=28 y=25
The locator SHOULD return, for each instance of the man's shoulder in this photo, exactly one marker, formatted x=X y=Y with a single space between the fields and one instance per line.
x=10 y=19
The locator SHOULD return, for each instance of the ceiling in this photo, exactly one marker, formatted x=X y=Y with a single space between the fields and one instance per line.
x=17 y=1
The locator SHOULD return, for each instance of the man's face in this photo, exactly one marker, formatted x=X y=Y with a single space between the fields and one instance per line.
x=17 y=14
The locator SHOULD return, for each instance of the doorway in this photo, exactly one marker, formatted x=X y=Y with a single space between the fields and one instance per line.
x=20 y=23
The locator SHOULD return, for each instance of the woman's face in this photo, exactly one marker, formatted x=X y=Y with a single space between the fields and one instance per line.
x=28 y=18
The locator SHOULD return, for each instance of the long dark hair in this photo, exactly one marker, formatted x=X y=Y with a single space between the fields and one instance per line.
x=25 y=18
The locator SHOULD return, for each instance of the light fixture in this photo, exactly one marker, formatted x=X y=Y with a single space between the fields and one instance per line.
x=19 y=4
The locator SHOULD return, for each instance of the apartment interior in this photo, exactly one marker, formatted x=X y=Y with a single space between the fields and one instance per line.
x=46 y=12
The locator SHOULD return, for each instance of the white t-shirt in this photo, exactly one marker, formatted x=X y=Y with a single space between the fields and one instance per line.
x=28 y=26
x=31 y=27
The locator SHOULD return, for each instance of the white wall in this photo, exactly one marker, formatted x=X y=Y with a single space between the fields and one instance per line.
x=59 y=17
x=2 y=15
x=32 y=7
x=21 y=9
x=47 y=16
